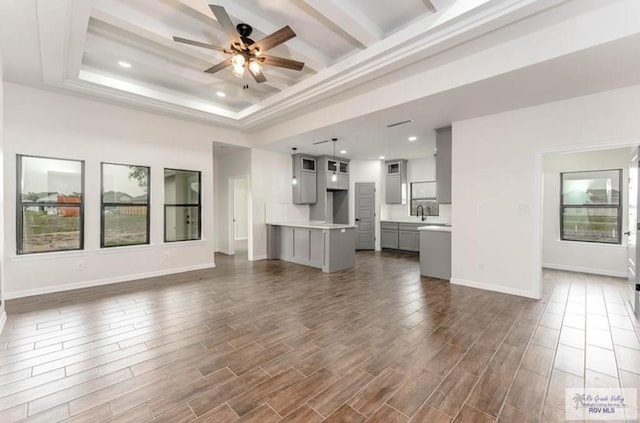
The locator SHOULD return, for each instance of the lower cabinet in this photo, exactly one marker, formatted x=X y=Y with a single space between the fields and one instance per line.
x=330 y=249
x=400 y=236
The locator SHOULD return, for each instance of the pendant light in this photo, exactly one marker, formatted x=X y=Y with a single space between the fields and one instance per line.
x=294 y=180
x=334 y=177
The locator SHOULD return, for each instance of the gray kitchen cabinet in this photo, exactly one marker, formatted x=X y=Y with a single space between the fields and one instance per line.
x=443 y=165
x=304 y=170
x=395 y=181
x=400 y=236
x=435 y=254
x=332 y=203
x=341 y=170
x=389 y=238
x=331 y=249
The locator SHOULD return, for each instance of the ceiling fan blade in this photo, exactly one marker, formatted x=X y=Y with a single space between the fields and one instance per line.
x=219 y=66
x=275 y=39
x=258 y=76
x=282 y=62
x=225 y=22
x=198 y=44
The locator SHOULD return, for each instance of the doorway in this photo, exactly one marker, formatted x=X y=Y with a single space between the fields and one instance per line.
x=239 y=216
x=586 y=219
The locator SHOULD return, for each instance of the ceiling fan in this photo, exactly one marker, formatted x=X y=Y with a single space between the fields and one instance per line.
x=246 y=53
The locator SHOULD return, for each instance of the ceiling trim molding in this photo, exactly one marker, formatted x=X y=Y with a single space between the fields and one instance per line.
x=430 y=35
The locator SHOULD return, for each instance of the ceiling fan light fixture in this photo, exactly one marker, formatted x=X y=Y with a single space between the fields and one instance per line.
x=255 y=67
x=237 y=60
x=238 y=71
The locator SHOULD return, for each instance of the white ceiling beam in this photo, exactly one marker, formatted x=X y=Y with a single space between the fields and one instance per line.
x=312 y=57
x=348 y=19
x=429 y=5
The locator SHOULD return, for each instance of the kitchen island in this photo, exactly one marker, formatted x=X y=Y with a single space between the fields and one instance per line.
x=435 y=251
x=327 y=246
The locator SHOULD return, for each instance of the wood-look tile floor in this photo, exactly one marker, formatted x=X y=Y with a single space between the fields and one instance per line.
x=275 y=342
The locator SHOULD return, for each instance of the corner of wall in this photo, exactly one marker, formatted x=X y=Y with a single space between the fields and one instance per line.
x=495 y=288
x=3 y=317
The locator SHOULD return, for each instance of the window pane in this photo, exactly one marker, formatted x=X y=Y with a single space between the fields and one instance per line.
x=598 y=224
x=430 y=207
x=50 y=180
x=582 y=188
x=181 y=223
x=423 y=190
x=181 y=187
x=50 y=228
x=125 y=184
x=125 y=225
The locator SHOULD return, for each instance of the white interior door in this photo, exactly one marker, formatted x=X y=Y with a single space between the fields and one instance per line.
x=632 y=233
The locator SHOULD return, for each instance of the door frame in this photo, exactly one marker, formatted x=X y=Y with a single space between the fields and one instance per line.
x=231 y=212
x=538 y=196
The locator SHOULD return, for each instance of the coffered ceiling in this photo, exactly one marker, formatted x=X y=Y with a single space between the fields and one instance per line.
x=368 y=63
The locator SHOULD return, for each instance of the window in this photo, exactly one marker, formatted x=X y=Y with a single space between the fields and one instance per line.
x=424 y=194
x=590 y=206
x=182 y=211
x=50 y=205
x=125 y=205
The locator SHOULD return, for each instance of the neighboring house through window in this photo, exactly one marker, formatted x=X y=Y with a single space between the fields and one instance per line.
x=125 y=205
x=591 y=206
x=50 y=205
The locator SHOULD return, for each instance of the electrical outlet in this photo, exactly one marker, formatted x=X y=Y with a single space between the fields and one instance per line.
x=80 y=265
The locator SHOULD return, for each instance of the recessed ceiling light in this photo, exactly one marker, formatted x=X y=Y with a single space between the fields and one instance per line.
x=381 y=157
x=413 y=138
x=343 y=151
x=124 y=64
x=221 y=94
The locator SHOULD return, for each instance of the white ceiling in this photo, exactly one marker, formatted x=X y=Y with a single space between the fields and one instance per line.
x=349 y=48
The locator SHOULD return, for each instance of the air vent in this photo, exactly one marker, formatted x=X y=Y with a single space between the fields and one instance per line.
x=399 y=123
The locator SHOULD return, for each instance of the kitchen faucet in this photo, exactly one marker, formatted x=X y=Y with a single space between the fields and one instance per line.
x=421 y=208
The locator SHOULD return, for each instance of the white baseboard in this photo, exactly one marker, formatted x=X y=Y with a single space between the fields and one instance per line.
x=107 y=281
x=590 y=270
x=258 y=258
x=495 y=288
x=3 y=319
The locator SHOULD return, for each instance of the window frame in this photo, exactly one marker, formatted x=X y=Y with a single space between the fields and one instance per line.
x=411 y=198
x=20 y=205
x=181 y=205
x=104 y=204
x=593 y=206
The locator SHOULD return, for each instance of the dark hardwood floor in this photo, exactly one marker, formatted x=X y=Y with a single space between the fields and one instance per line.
x=276 y=342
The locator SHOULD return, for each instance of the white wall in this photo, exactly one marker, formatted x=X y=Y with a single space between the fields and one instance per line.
x=3 y=315
x=44 y=123
x=365 y=171
x=270 y=184
x=497 y=178
x=603 y=259
x=230 y=165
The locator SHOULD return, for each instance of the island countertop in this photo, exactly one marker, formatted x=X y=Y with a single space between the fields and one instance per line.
x=312 y=225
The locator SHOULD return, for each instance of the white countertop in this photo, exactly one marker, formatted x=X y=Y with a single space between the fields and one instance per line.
x=418 y=221
x=435 y=228
x=312 y=225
